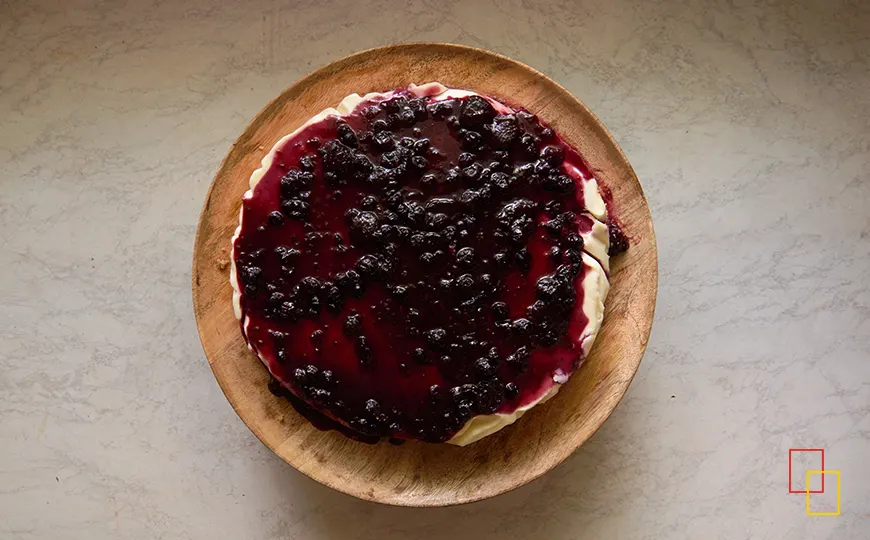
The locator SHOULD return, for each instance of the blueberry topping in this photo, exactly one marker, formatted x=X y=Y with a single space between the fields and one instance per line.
x=439 y=239
x=363 y=350
x=352 y=325
x=505 y=130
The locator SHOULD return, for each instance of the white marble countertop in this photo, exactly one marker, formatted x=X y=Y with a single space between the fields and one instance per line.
x=748 y=124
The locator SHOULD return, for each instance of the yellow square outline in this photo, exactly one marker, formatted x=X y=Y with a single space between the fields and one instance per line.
x=810 y=513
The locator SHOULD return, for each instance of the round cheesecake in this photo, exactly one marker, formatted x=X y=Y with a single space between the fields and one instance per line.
x=426 y=263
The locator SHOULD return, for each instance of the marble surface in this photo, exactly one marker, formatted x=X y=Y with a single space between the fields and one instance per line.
x=748 y=123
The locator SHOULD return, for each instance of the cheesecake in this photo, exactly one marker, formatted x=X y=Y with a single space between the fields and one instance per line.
x=423 y=263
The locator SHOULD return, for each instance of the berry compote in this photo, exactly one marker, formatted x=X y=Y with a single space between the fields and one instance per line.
x=416 y=262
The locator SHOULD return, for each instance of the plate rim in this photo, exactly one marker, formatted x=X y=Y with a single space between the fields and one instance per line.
x=247 y=135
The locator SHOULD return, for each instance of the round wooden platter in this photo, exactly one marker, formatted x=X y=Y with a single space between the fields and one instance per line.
x=416 y=473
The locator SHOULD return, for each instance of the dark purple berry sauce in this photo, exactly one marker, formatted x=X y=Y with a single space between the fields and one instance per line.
x=414 y=264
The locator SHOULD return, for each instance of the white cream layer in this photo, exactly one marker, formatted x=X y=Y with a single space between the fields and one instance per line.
x=593 y=288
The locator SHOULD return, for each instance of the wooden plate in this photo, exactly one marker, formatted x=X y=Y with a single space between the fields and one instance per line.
x=420 y=474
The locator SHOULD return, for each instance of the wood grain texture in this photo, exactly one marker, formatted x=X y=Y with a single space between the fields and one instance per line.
x=420 y=474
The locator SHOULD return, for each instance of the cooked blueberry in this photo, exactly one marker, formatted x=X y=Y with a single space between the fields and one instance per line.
x=484 y=368
x=300 y=375
x=476 y=111
x=466 y=159
x=334 y=300
x=472 y=140
x=400 y=292
x=573 y=241
x=369 y=202
x=618 y=240
x=471 y=172
x=433 y=241
x=418 y=241
x=406 y=117
x=500 y=181
x=573 y=256
x=373 y=407
x=554 y=155
x=309 y=284
x=276 y=218
x=307 y=163
x=490 y=396
x=363 y=350
x=437 y=221
x=383 y=140
x=529 y=146
x=537 y=310
x=523 y=172
x=499 y=310
x=521 y=326
x=523 y=259
x=295 y=182
x=469 y=197
x=519 y=359
x=363 y=224
x=554 y=207
x=379 y=126
x=504 y=129
x=392 y=159
x=371 y=112
x=465 y=256
x=421 y=357
x=515 y=209
x=553 y=227
x=421 y=146
x=547 y=287
x=337 y=157
x=545 y=334
x=521 y=228
x=350 y=282
x=542 y=168
x=412 y=212
x=452 y=175
x=465 y=282
x=436 y=338
x=501 y=260
x=419 y=162
x=396 y=104
x=251 y=276
x=347 y=136
x=555 y=253
x=511 y=390
x=442 y=109
x=558 y=183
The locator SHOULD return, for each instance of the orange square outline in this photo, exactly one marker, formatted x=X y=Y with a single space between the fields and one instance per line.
x=823 y=473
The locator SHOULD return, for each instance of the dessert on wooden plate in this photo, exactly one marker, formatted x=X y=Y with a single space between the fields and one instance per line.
x=426 y=263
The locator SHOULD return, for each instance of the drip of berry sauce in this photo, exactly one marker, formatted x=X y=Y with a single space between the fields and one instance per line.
x=413 y=264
